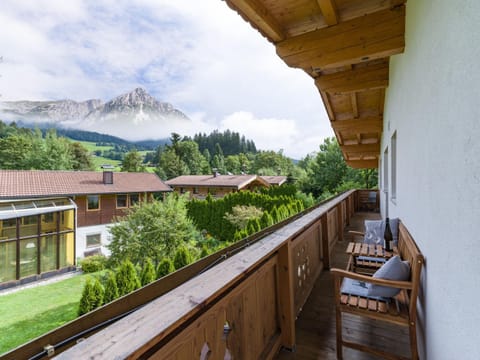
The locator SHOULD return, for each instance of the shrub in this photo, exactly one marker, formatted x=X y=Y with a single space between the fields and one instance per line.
x=99 y=293
x=148 y=273
x=92 y=296
x=165 y=267
x=204 y=252
x=93 y=263
x=111 y=288
x=127 y=278
x=182 y=257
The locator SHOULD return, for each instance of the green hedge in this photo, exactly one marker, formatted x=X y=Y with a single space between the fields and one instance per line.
x=277 y=202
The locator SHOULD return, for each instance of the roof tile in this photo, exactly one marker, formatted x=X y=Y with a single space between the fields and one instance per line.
x=41 y=183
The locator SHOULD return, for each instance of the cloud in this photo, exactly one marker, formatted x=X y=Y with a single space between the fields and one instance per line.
x=198 y=55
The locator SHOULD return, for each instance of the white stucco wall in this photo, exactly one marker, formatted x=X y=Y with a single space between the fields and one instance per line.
x=81 y=239
x=433 y=102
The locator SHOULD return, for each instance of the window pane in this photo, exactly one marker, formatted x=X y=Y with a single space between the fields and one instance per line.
x=93 y=202
x=8 y=229
x=24 y=205
x=8 y=261
x=67 y=250
x=28 y=257
x=133 y=199
x=61 y=202
x=94 y=240
x=67 y=220
x=6 y=207
x=48 y=253
x=49 y=223
x=28 y=226
x=43 y=203
x=121 y=201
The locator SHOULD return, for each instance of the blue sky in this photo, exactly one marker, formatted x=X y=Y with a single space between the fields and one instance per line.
x=198 y=55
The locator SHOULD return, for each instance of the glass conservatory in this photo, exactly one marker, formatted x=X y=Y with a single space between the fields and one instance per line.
x=37 y=237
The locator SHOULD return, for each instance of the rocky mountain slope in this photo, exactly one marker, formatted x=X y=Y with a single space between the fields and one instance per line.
x=135 y=115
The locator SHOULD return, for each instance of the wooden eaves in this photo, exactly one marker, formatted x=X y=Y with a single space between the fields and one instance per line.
x=345 y=46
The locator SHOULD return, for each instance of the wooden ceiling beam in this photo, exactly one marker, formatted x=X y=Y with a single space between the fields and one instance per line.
x=361 y=149
x=363 y=164
x=260 y=17
x=373 y=36
x=351 y=81
x=372 y=124
x=329 y=11
x=353 y=97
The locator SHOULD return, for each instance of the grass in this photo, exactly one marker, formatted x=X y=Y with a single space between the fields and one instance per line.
x=29 y=313
x=100 y=160
x=91 y=146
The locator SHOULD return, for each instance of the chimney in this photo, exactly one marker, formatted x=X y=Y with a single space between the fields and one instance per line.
x=215 y=172
x=107 y=174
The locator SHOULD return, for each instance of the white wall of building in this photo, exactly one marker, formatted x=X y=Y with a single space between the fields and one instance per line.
x=81 y=239
x=433 y=104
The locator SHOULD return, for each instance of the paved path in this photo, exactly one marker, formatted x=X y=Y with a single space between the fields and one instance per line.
x=40 y=282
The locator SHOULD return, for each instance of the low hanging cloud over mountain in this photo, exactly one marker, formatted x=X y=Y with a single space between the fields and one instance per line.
x=211 y=67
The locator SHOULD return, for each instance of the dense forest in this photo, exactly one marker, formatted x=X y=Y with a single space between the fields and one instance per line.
x=230 y=142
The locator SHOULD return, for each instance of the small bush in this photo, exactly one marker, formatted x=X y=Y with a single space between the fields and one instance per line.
x=92 y=296
x=148 y=273
x=205 y=251
x=165 y=267
x=182 y=257
x=99 y=293
x=127 y=278
x=111 y=288
x=93 y=263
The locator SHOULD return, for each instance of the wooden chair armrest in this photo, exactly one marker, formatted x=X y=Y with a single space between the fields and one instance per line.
x=359 y=233
x=339 y=274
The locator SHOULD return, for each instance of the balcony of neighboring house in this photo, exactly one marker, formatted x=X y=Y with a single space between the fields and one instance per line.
x=269 y=296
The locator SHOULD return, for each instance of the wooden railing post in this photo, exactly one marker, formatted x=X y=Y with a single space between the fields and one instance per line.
x=286 y=296
x=325 y=245
x=340 y=221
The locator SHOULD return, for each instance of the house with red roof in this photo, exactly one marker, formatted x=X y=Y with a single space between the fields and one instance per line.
x=199 y=186
x=48 y=219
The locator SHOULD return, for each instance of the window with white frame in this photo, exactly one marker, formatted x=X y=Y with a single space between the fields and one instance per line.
x=94 y=240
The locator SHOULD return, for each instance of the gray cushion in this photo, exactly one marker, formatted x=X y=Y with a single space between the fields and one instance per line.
x=393 y=269
x=354 y=287
x=358 y=288
x=374 y=230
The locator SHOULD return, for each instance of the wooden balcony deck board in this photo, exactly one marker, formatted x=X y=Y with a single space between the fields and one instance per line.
x=315 y=325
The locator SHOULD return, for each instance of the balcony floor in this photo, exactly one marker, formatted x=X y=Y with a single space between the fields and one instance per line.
x=315 y=325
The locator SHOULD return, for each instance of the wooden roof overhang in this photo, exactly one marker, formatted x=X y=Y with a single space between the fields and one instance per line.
x=345 y=46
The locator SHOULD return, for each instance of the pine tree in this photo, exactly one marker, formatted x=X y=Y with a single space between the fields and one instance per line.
x=182 y=257
x=165 y=267
x=148 y=273
x=99 y=293
x=87 y=300
x=111 y=288
x=127 y=278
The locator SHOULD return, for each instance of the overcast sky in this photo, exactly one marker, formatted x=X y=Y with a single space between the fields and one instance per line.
x=198 y=55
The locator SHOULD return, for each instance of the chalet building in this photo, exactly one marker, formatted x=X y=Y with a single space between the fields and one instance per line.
x=400 y=83
x=276 y=180
x=199 y=186
x=48 y=219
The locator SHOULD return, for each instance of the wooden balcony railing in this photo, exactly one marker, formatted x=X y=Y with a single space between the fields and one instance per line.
x=244 y=307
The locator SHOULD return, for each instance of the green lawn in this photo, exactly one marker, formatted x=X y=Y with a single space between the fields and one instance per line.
x=100 y=160
x=91 y=146
x=29 y=313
